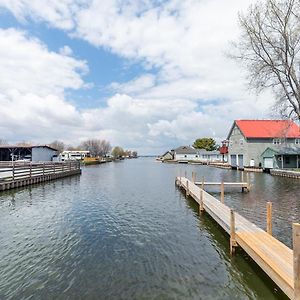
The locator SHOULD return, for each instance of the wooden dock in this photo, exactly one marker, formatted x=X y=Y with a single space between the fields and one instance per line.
x=277 y=260
x=13 y=175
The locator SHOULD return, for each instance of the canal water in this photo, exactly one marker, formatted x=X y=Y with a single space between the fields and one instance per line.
x=124 y=231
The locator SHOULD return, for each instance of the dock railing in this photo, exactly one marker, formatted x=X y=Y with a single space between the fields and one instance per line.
x=15 y=174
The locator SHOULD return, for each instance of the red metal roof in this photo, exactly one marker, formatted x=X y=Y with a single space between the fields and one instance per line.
x=268 y=128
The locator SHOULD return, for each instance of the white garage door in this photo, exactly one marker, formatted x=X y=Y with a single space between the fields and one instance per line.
x=268 y=163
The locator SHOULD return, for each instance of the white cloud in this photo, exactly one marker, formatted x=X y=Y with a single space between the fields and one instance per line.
x=196 y=91
x=30 y=67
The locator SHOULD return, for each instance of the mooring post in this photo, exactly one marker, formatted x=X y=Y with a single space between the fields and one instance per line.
x=222 y=192
x=13 y=170
x=232 y=232
x=202 y=185
x=201 y=206
x=269 y=218
x=248 y=182
x=30 y=170
x=296 y=260
x=194 y=177
x=242 y=176
x=187 y=188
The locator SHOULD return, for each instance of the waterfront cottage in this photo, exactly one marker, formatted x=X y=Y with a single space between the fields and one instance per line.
x=185 y=154
x=169 y=155
x=209 y=156
x=264 y=143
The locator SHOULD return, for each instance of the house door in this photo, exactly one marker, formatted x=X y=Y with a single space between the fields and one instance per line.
x=268 y=163
x=233 y=160
x=241 y=161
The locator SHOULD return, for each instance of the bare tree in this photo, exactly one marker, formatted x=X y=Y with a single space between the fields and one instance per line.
x=269 y=48
x=24 y=144
x=3 y=142
x=96 y=147
x=58 y=145
x=105 y=147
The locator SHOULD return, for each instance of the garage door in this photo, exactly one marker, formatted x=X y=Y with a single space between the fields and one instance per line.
x=268 y=163
x=233 y=160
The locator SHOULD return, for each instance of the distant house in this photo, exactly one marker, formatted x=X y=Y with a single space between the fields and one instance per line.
x=185 y=154
x=209 y=156
x=264 y=143
x=169 y=155
x=27 y=153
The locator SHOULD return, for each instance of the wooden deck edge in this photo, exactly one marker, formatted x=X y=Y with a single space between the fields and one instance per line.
x=283 y=284
x=5 y=186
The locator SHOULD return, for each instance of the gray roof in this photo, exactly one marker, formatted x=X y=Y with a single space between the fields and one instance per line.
x=203 y=151
x=289 y=151
x=185 y=150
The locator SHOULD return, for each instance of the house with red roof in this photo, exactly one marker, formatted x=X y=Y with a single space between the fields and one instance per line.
x=264 y=143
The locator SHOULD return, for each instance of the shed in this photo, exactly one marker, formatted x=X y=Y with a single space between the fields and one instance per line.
x=27 y=153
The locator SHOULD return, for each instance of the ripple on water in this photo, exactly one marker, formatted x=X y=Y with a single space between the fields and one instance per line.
x=123 y=231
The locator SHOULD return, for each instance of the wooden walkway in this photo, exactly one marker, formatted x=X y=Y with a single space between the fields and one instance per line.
x=276 y=259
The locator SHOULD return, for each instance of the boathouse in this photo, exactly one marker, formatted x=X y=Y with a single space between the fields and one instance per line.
x=264 y=144
x=27 y=153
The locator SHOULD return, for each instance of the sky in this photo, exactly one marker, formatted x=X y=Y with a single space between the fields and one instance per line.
x=148 y=75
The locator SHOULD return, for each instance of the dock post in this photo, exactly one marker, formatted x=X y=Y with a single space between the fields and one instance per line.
x=248 y=182
x=222 y=192
x=13 y=171
x=194 y=177
x=232 y=232
x=202 y=185
x=201 y=207
x=187 y=188
x=296 y=260
x=269 y=218
x=242 y=176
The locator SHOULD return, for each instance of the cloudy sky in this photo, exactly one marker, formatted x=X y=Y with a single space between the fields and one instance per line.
x=149 y=75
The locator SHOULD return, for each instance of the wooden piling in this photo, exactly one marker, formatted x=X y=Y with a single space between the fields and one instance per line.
x=202 y=185
x=232 y=232
x=187 y=188
x=201 y=206
x=269 y=218
x=296 y=260
x=222 y=192
x=194 y=177
x=242 y=176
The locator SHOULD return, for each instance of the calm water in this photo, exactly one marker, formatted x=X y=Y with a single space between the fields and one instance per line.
x=124 y=231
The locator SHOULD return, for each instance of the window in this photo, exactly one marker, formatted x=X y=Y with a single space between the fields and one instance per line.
x=297 y=141
x=241 y=141
x=230 y=143
x=185 y=156
x=287 y=160
x=276 y=141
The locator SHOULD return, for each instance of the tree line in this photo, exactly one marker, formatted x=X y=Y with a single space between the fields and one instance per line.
x=96 y=147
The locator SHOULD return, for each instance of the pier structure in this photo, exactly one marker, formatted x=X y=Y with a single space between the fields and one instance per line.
x=278 y=261
x=14 y=174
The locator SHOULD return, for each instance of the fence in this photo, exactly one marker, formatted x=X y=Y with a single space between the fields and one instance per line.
x=15 y=174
